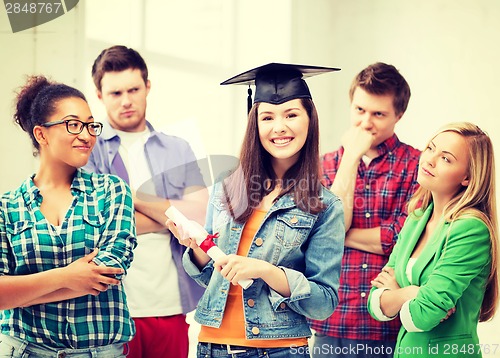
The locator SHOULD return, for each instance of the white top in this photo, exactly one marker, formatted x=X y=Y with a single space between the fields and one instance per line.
x=375 y=298
x=366 y=159
x=151 y=284
x=409 y=268
x=404 y=312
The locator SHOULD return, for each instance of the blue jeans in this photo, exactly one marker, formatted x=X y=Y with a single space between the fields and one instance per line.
x=17 y=348
x=325 y=346
x=210 y=350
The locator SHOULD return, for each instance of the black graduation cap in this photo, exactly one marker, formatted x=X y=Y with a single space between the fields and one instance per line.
x=277 y=83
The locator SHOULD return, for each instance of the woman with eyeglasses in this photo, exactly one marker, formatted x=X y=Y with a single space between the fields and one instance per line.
x=66 y=238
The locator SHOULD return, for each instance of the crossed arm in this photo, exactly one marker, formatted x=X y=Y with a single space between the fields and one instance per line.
x=89 y=275
x=393 y=298
x=80 y=278
x=380 y=239
x=150 y=210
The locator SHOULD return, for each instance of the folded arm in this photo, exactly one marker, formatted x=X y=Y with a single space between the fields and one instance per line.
x=193 y=205
x=80 y=278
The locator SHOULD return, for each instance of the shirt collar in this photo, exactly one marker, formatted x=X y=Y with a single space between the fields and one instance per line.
x=81 y=183
x=389 y=145
x=109 y=132
x=30 y=191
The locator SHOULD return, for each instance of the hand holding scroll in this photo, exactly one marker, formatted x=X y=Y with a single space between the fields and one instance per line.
x=189 y=231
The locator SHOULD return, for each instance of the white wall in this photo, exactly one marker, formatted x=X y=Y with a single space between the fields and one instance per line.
x=190 y=47
x=448 y=50
x=54 y=50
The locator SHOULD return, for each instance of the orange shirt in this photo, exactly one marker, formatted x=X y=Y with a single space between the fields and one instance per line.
x=232 y=329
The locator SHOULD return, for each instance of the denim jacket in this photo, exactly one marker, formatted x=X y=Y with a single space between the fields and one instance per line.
x=307 y=247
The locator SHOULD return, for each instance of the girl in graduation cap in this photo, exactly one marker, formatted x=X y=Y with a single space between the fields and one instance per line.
x=278 y=225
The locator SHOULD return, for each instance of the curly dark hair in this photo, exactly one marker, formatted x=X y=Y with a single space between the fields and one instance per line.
x=36 y=101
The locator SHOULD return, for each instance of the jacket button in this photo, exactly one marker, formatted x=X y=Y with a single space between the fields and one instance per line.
x=363 y=294
x=259 y=241
x=250 y=303
x=294 y=220
x=282 y=305
x=255 y=330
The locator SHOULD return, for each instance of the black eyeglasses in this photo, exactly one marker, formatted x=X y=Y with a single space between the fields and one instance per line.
x=74 y=126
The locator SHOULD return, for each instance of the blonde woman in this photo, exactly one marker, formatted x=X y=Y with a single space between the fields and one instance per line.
x=442 y=275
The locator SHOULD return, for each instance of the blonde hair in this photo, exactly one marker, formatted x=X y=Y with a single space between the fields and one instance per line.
x=478 y=200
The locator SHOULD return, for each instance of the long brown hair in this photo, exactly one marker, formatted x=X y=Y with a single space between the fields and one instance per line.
x=478 y=200
x=255 y=177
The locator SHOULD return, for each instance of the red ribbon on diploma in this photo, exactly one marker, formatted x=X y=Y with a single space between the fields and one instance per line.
x=208 y=243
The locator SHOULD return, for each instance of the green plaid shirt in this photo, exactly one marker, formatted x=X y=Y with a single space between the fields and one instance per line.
x=101 y=215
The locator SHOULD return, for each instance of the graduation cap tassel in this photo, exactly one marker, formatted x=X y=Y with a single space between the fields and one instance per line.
x=249 y=99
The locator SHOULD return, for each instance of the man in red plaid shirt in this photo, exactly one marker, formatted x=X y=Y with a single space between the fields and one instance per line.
x=374 y=174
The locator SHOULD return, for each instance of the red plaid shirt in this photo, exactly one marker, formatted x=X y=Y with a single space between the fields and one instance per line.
x=380 y=196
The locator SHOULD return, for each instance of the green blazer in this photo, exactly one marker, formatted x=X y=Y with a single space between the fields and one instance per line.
x=451 y=271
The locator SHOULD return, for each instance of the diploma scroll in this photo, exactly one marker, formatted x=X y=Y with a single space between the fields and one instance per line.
x=203 y=239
